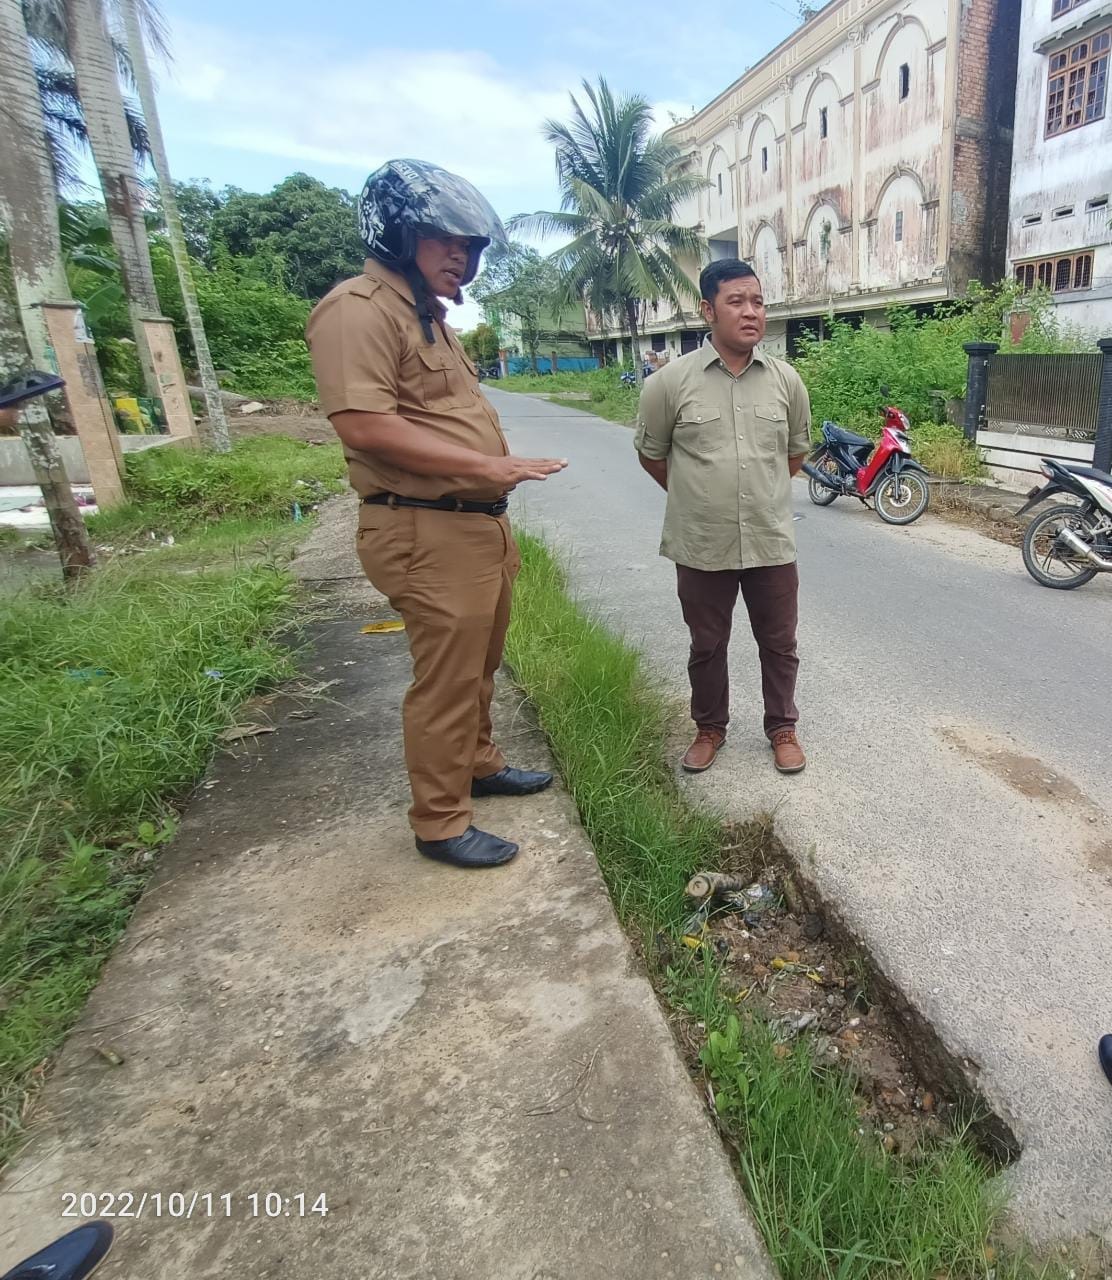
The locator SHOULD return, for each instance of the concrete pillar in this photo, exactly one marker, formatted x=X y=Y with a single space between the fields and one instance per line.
x=171 y=378
x=976 y=390
x=86 y=400
x=1102 y=451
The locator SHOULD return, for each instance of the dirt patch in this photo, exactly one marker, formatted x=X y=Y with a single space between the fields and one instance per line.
x=951 y=507
x=298 y=421
x=1037 y=781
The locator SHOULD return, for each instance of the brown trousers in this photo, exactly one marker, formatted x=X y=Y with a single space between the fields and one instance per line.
x=450 y=576
x=708 y=599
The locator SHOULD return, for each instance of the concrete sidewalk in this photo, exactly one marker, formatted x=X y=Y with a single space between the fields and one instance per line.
x=469 y=1067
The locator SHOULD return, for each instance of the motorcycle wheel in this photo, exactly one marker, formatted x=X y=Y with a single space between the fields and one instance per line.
x=900 y=499
x=818 y=493
x=1049 y=565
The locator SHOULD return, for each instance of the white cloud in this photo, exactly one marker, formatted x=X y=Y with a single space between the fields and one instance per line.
x=311 y=105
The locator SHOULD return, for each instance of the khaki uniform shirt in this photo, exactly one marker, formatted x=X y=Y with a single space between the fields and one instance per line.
x=727 y=442
x=369 y=353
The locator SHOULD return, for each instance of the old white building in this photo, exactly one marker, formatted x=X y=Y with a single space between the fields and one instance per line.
x=863 y=162
x=1062 y=160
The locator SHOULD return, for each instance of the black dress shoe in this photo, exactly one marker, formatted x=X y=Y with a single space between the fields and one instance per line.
x=510 y=782
x=474 y=848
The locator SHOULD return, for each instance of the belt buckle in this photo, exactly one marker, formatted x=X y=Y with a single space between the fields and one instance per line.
x=392 y=501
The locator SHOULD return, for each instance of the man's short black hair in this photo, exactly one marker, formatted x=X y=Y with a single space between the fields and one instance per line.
x=716 y=274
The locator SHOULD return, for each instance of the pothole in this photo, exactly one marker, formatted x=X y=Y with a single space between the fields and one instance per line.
x=788 y=959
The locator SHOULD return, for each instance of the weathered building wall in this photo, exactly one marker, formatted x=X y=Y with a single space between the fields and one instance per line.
x=1061 y=182
x=863 y=151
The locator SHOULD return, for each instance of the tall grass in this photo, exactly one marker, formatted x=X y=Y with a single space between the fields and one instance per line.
x=606 y=725
x=177 y=491
x=830 y=1204
x=111 y=697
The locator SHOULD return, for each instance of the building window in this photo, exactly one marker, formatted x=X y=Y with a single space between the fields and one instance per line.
x=719 y=184
x=764 y=159
x=905 y=80
x=1076 y=84
x=1066 y=211
x=1032 y=220
x=899 y=225
x=823 y=123
x=1064 y=6
x=1072 y=271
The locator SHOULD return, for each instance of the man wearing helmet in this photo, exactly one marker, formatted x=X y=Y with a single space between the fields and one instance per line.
x=427 y=456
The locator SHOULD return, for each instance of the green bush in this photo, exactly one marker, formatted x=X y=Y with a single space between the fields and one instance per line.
x=279 y=370
x=920 y=359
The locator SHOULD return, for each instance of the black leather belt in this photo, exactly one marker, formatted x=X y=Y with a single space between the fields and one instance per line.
x=498 y=508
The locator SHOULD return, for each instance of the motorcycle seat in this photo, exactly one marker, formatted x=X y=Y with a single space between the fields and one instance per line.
x=839 y=435
x=1090 y=473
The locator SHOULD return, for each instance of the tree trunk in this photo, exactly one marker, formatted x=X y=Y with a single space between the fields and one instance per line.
x=29 y=216
x=217 y=423
x=635 y=340
x=102 y=103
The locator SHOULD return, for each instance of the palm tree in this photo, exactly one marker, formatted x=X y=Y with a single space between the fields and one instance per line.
x=218 y=425
x=66 y=134
x=619 y=191
x=96 y=70
x=30 y=221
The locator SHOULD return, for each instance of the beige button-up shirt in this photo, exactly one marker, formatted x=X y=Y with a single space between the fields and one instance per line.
x=727 y=442
x=369 y=353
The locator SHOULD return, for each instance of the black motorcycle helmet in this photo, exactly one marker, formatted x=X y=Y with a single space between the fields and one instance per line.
x=407 y=199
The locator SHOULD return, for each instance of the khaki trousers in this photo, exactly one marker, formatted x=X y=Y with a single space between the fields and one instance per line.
x=450 y=576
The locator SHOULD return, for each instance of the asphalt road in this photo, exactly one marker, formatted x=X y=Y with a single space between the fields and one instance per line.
x=956 y=806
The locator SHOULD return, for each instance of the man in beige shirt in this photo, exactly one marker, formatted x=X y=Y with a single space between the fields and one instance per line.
x=723 y=430
x=427 y=456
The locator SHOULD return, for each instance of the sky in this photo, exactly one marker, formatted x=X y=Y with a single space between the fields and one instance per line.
x=259 y=89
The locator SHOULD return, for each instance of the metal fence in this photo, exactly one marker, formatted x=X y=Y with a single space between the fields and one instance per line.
x=1044 y=395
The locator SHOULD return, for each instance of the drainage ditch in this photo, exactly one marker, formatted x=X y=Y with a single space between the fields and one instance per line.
x=788 y=958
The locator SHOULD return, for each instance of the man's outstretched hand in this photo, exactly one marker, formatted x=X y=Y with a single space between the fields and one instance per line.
x=509 y=471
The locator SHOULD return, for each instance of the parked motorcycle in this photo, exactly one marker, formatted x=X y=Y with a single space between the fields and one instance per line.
x=1069 y=544
x=845 y=464
x=489 y=371
x=630 y=379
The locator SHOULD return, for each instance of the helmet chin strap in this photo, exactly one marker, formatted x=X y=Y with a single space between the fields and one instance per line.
x=421 y=299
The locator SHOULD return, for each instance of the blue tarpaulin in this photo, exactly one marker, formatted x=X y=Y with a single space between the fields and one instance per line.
x=564 y=364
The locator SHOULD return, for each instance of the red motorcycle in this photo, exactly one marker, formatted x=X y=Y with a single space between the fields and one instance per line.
x=844 y=464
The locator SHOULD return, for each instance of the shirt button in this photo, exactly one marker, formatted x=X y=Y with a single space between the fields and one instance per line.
x=743 y=466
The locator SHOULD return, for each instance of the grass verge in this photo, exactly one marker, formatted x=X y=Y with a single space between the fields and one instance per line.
x=830 y=1206
x=111 y=697
x=609 y=397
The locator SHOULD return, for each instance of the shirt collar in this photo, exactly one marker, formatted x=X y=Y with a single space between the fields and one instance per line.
x=376 y=270
x=710 y=356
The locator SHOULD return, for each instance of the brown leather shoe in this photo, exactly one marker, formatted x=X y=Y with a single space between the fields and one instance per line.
x=788 y=753
x=703 y=751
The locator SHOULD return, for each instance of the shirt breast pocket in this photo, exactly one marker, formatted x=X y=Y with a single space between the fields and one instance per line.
x=771 y=421
x=698 y=428
x=443 y=383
